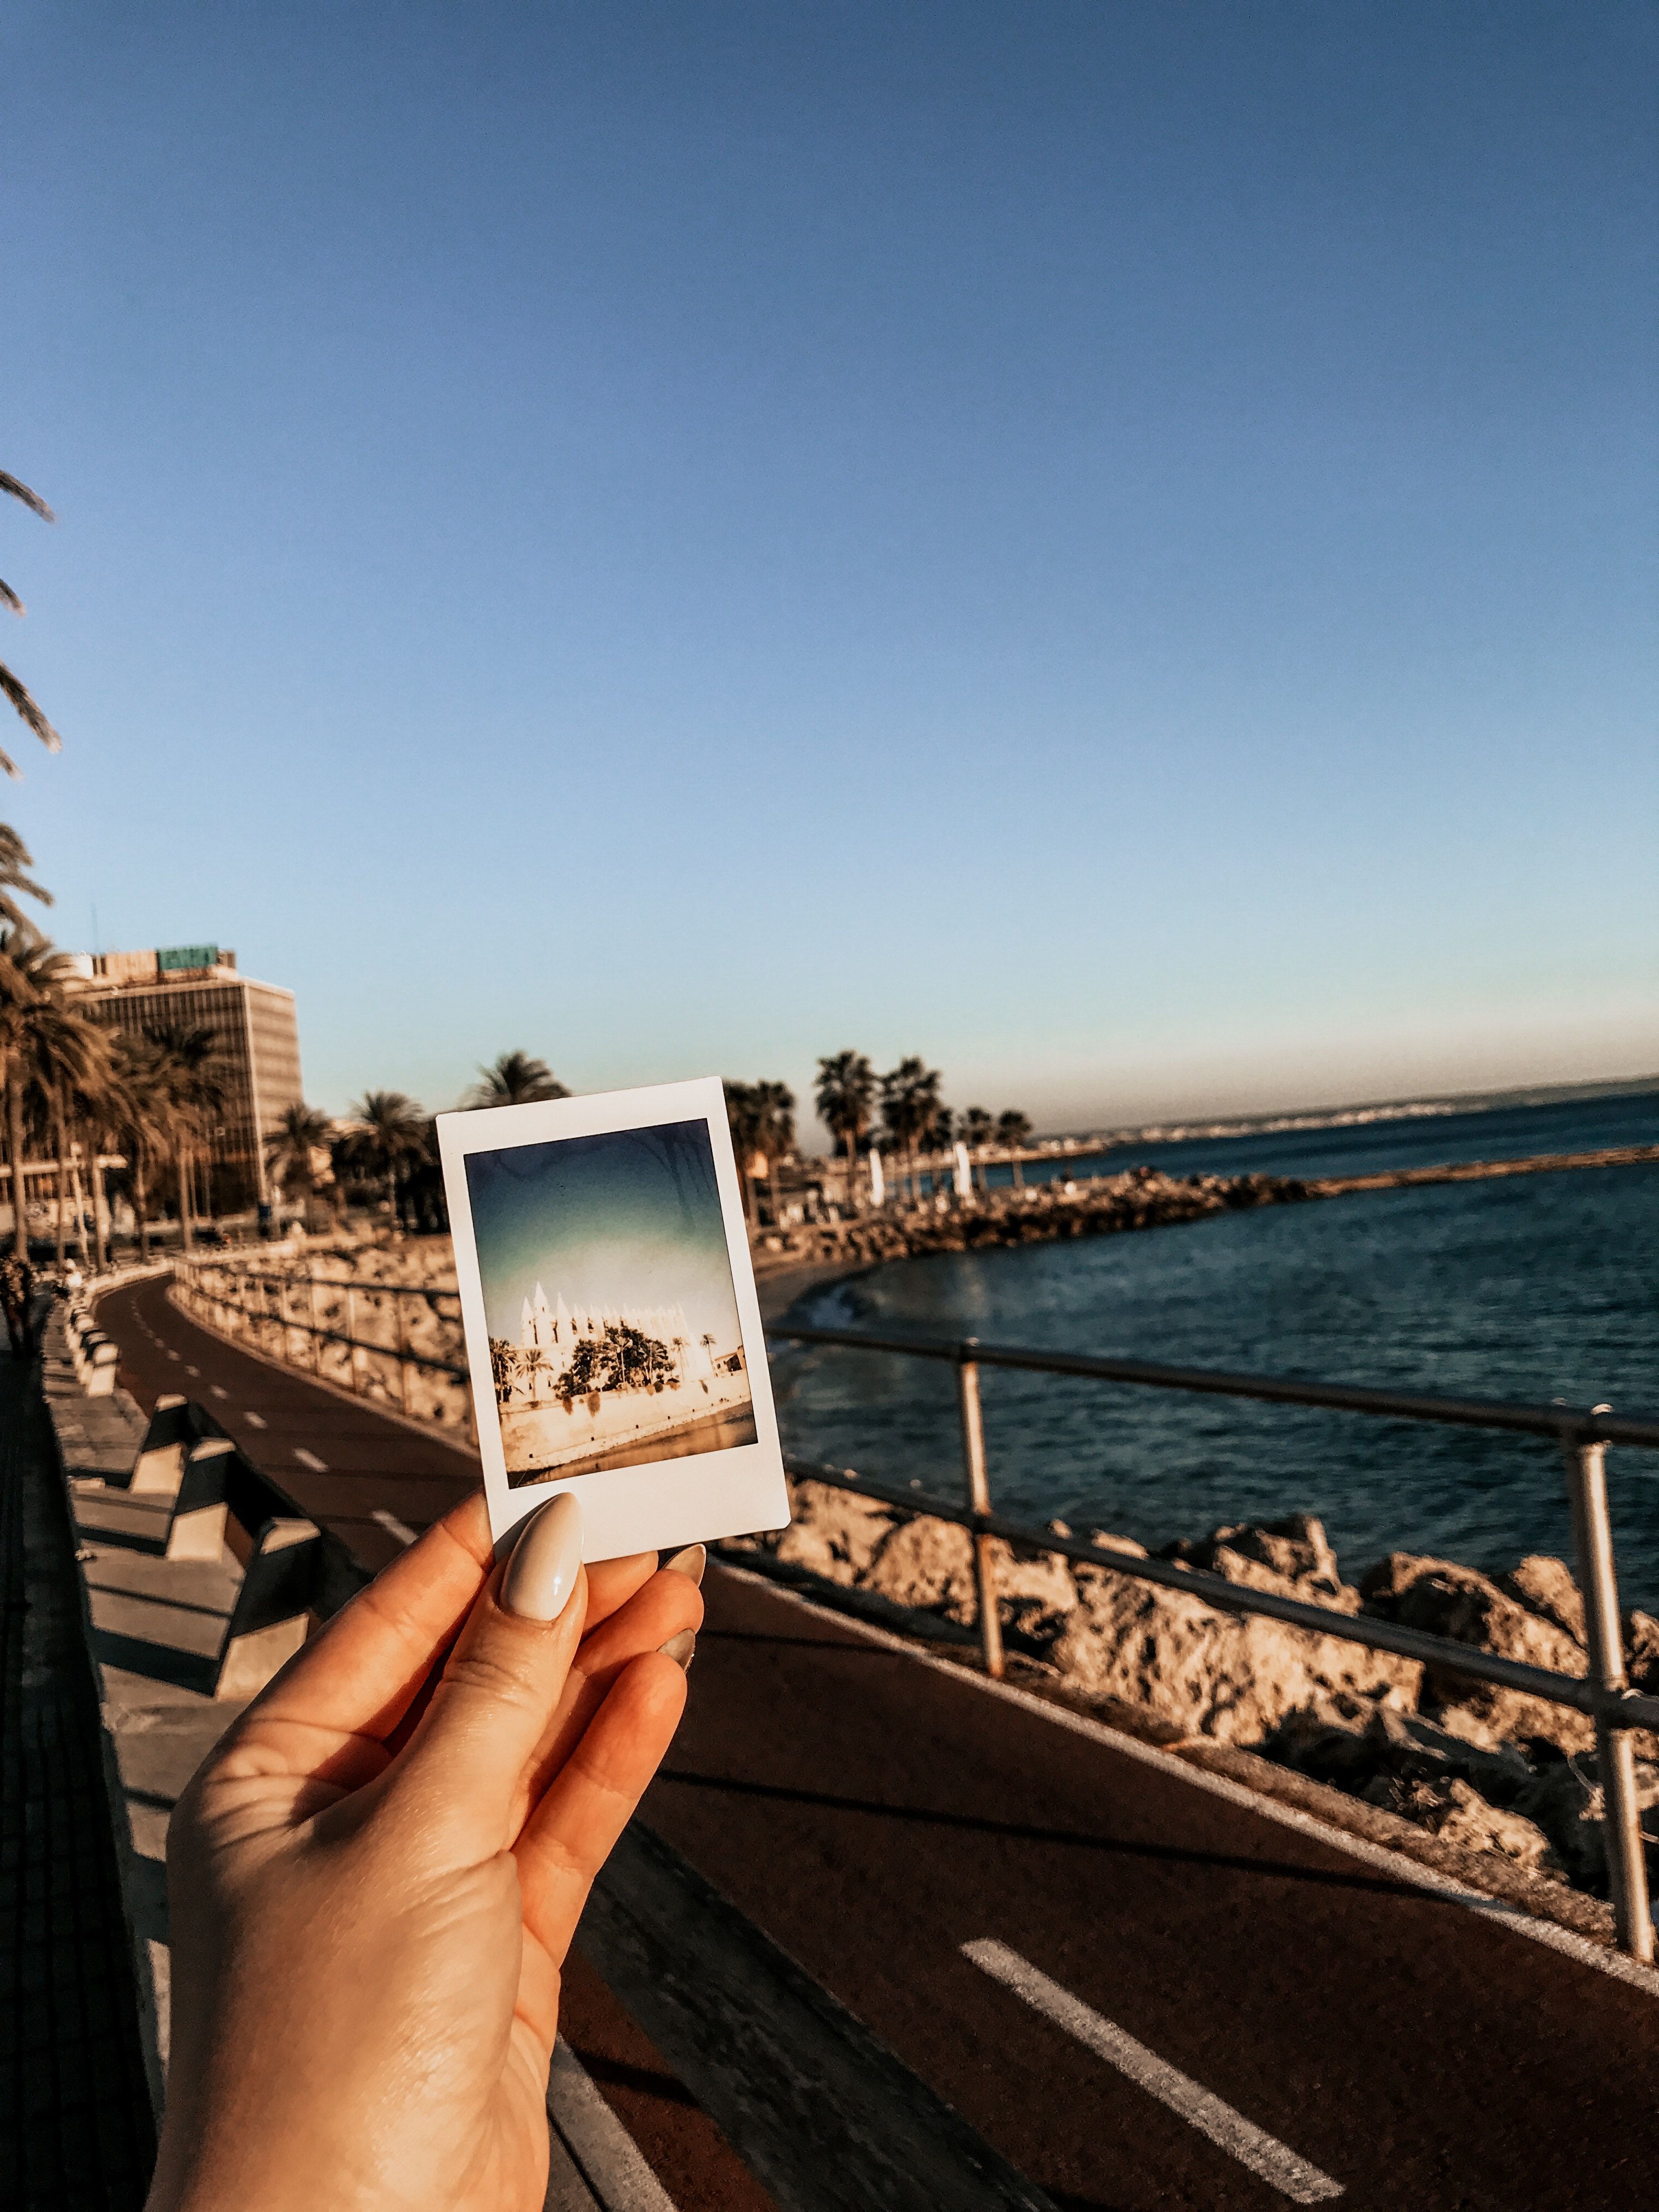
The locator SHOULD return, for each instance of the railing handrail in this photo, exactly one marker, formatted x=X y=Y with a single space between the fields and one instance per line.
x=1620 y=1709
x=1564 y=1425
x=197 y=1261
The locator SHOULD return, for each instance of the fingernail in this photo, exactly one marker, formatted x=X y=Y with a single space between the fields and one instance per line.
x=681 y=1648
x=689 y=1563
x=541 y=1572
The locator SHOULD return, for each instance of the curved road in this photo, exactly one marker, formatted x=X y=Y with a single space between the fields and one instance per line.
x=1142 y=1992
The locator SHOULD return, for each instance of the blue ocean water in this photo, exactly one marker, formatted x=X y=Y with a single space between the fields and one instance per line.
x=1532 y=1287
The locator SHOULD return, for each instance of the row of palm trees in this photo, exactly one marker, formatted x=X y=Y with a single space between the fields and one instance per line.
x=76 y=1091
x=903 y=1107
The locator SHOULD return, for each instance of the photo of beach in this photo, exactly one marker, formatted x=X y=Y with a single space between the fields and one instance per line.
x=614 y=1334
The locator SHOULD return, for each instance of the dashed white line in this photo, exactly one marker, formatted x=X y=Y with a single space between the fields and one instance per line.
x=392 y=1525
x=174 y=1355
x=1275 y=2162
x=196 y=1372
x=604 y=2153
x=253 y=1420
x=309 y=1459
x=217 y=1392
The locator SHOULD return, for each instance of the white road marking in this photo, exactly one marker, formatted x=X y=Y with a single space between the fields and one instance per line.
x=174 y=1355
x=217 y=1392
x=1497 y=1910
x=309 y=1459
x=253 y=1420
x=196 y=1372
x=610 y=2160
x=1275 y=2162
x=392 y=1525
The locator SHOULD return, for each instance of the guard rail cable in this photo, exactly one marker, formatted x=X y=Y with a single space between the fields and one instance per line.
x=1582 y=1434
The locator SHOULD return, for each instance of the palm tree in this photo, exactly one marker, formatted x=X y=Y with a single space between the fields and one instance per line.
x=21 y=986
x=68 y=1061
x=192 y=1088
x=844 y=1093
x=976 y=1132
x=394 y=1129
x=14 y=857
x=1014 y=1134
x=12 y=687
x=301 y=1132
x=516 y=1078
x=138 y=1109
x=910 y=1103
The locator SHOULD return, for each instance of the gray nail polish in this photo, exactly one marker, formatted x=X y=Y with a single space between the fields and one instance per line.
x=541 y=1572
x=680 y=1648
x=689 y=1563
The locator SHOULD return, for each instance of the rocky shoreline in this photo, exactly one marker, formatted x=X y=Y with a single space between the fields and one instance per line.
x=1138 y=1197
x=1476 y=1768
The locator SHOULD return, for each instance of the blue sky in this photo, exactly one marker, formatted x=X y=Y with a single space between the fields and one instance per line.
x=615 y=1222
x=1112 y=547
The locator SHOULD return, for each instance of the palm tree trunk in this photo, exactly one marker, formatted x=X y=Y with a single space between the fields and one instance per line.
x=187 y=1243
x=20 y=1243
x=139 y=1193
x=57 y=1097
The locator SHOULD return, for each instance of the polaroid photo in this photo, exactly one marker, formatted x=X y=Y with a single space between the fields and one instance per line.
x=613 y=1334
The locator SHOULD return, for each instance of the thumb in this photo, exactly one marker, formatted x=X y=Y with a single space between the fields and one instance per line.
x=466 y=1761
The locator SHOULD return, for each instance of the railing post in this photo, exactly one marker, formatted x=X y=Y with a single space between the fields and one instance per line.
x=1615 y=1755
x=979 y=1497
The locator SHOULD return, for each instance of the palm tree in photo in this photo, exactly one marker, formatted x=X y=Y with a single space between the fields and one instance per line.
x=12 y=688
x=977 y=1128
x=1014 y=1134
x=140 y=1110
x=21 y=982
x=940 y=1138
x=302 y=1132
x=845 y=1094
x=394 y=1130
x=515 y=1078
x=909 y=1103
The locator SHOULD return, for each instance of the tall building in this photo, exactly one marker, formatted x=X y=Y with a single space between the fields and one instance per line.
x=197 y=987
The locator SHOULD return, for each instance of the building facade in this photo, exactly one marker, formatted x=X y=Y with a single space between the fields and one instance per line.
x=199 y=987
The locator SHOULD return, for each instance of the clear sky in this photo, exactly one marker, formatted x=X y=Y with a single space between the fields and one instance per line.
x=1109 y=546
x=625 y=1220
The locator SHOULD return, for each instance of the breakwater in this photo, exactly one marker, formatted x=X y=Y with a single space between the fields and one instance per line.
x=1136 y=1198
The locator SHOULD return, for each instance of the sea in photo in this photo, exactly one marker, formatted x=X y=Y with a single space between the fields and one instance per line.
x=614 y=1335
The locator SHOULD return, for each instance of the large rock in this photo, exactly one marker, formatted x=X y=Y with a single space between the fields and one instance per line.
x=1545 y=1586
x=1233 y=1678
x=1456 y=1812
x=1295 y=1550
x=1444 y=1599
x=1564 y=1799
x=834 y=1533
x=929 y=1565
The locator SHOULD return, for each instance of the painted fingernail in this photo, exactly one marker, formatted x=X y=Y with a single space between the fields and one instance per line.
x=541 y=1572
x=689 y=1563
x=680 y=1648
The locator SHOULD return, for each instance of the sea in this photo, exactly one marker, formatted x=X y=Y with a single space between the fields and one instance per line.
x=1532 y=1287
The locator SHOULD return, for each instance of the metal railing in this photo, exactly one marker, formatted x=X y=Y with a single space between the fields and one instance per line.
x=1582 y=1436
x=207 y=1289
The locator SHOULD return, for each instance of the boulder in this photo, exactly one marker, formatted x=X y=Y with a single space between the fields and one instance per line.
x=1233 y=1678
x=1564 y=1799
x=1642 y=1651
x=929 y=1565
x=1444 y=1599
x=1545 y=1586
x=834 y=1533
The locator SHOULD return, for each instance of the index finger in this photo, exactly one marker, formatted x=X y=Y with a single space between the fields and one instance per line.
x=362 y=1671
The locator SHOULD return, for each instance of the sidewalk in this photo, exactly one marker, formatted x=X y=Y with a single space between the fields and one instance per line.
x=75 y=2124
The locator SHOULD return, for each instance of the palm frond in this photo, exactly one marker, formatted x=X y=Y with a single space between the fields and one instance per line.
x=9 y=597
x=21 y=697
x=32 y=500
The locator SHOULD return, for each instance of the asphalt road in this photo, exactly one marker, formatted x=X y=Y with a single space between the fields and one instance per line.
x=1143 y=1994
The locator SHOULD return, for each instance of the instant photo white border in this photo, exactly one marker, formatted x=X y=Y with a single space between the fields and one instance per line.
x=661 y=1503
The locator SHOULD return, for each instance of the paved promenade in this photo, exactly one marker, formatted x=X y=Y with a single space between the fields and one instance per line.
x=1143 y=1988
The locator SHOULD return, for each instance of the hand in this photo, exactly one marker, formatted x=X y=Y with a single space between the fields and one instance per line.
x=375 y=1877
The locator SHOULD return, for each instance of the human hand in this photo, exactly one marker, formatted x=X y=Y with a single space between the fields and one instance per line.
x=375 y=1876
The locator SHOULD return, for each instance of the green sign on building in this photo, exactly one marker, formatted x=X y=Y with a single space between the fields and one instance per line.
x=175 y=957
